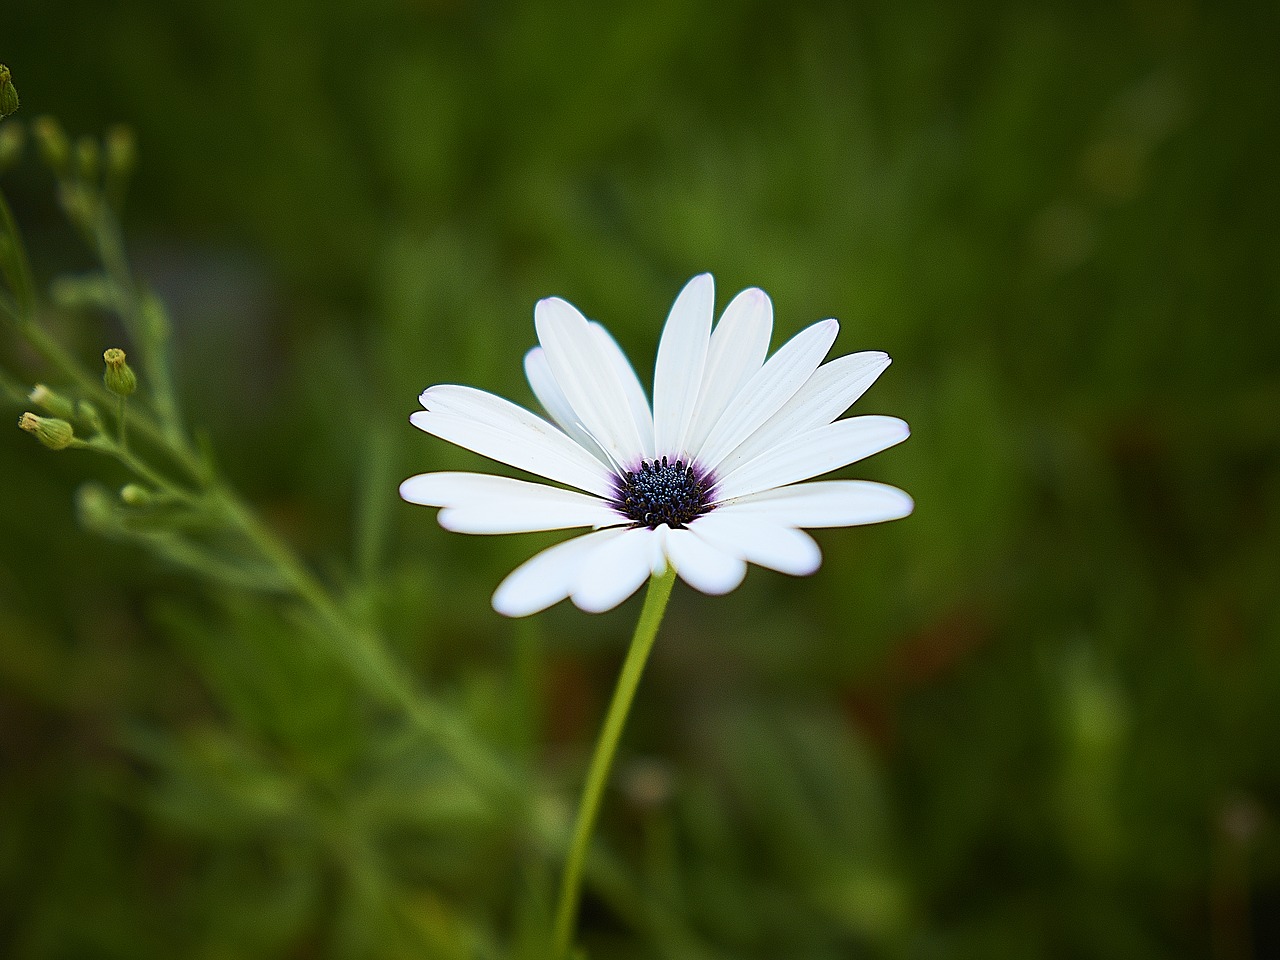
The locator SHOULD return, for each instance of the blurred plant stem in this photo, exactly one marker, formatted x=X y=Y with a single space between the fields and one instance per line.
x=14 y=264
x=163 y=435
x=366 y=655
x=655 y=605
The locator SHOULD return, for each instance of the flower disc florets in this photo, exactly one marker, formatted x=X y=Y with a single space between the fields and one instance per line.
x=664 y=492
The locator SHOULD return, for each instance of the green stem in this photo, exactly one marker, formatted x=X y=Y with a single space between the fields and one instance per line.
x=151 y=334
x=18 y=272
x=370 y=660
x=124 y=440
x=655 y=605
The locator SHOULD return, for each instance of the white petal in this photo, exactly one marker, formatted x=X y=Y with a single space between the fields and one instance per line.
x=812 y=454
x=498 y=429
x=765 y=393
x=480 y=503
x=588 y=378
x=615 y=571
x=739 y=344
x=828 y=393
x=824 y=503
x=682 y=357
x=703 y=566
x=543 y=383
x=761 y=539
x=547 y=577
x=658 y=550
x=637 y=401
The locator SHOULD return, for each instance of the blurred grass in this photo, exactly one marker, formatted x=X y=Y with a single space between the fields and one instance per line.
x=1036 y=719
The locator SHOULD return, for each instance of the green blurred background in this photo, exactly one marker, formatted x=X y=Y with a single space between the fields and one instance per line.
x=1039 y=718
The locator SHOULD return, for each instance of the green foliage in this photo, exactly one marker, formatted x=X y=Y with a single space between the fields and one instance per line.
x=271 y=714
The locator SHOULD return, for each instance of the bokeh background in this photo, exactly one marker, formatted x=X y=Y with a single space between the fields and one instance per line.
x=1038 y=718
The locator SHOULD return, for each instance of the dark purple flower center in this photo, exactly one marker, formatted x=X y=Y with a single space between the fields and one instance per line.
x=663 y=492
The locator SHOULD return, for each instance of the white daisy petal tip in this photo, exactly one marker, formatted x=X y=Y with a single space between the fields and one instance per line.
x=556 y=306
x=417 y=490
x=703 y=283
x=515 y=608
x=895 y=504
x=437 y=395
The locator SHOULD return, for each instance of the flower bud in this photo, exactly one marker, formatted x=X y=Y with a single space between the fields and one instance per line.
x=135 y=495
x=87 y=158
x=12 y=139
x=51 y=402
x=8 y=93
x=54 y=434
x=155 y=319
x=77 y=203
x=118 y=376
x=52 y=143
x=95 y=508
x=122 y=152
x=87 y=412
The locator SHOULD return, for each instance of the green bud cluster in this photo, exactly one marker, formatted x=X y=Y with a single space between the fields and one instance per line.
x=8 y=93
x=53 y=433
x=119 y=376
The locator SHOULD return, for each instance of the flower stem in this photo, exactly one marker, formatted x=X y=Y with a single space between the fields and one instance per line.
x=16 y=268
x=120 y=416
x=655 y=605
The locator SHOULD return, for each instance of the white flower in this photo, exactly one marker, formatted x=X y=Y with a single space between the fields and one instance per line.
x=705 y=481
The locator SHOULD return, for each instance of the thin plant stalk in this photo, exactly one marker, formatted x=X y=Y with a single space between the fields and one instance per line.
x=655 y=605
x=122 y=413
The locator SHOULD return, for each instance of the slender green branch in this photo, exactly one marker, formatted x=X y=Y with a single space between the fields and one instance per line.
x=362 y=650
x=655 y=605
x=369 y=658
x=121 y=415
x=104 y=444
x=109 y=246
x=144 y=319
x=373 y=510
x=17 y=268
x=11 y=388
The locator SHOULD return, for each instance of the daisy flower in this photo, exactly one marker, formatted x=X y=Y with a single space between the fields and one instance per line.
x=709 y=478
